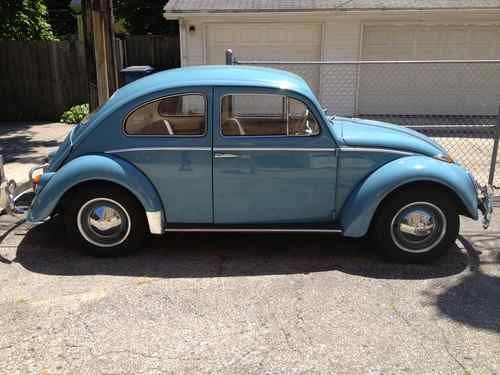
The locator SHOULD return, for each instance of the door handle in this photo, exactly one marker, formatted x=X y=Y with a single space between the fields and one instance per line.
x=223 y=155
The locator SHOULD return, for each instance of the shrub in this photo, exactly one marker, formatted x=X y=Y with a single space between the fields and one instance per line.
x=75 y=114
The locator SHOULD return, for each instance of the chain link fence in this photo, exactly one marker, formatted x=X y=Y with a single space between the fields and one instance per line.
x=455 y=102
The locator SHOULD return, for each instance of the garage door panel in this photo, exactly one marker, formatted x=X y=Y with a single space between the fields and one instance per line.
x=223 y=35
x=249 y=35
x=307 y=35
x=430 y=89
x=268 y=41
x=278 y=35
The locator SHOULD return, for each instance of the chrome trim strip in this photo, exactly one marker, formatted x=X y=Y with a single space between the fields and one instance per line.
x=220 y=149
x=155 y=222
x=254 y=230
x=158 y=149
x=370 y=149
x=235 y=149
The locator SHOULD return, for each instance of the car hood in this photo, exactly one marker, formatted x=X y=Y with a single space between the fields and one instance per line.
x=377 y=134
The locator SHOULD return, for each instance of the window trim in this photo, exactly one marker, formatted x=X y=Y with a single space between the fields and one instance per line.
x=267 y=136
x=131 y=112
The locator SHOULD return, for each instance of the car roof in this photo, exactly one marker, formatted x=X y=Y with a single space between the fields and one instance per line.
x=215 y=75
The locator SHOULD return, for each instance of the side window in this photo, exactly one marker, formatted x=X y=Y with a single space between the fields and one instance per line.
x=182 y=115
x=266 y=115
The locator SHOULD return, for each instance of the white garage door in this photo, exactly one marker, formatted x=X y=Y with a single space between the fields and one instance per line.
x=463 y=89
x=268 y=41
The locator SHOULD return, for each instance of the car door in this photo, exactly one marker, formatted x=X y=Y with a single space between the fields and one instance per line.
x=169 y=138
x=274 y=161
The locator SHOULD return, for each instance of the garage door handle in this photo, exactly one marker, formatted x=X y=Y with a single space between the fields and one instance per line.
x=223 y=155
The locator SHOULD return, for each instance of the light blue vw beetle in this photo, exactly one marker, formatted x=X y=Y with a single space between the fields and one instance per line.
x=231 y=148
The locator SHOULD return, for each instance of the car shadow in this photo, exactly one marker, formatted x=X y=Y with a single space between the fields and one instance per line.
x=194 y=255
x=475 y=300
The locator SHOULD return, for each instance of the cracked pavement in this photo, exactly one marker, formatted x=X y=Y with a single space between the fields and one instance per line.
x=227 y=303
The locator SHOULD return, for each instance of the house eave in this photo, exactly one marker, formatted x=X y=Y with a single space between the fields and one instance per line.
x=176 y=15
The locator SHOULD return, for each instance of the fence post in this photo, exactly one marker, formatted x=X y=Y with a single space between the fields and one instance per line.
x=229 y=57
x=495 y=150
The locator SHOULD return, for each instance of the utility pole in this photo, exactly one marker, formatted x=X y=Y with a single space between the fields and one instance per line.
x=100 y=54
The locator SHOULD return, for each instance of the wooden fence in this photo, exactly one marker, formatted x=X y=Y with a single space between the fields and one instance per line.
x=159 y=51
x=40 y=80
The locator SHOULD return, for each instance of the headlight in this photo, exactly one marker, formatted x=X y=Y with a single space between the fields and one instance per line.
x=445 y=157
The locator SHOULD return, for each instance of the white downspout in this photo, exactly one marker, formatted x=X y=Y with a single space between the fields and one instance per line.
x=182 y=42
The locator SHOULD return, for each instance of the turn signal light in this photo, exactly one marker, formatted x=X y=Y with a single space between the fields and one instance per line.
x=37 y=179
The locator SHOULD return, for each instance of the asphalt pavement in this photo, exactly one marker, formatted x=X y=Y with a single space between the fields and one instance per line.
x=246 y=304
x=238 y=304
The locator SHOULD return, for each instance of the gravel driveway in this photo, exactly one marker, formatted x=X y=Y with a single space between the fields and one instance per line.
x=220 y=303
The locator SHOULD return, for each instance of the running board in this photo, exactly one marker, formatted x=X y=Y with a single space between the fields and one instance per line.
x=256 y=229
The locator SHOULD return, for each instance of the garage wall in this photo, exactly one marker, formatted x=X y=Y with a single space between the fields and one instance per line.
x=350 y=89
x=272 y=41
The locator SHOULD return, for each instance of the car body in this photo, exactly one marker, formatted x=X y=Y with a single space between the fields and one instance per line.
x=235 y=148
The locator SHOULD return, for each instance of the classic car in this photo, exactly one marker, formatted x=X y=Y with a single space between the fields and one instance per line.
x=247 y=149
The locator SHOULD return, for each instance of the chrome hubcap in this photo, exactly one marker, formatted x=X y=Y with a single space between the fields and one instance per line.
x=103 y=222
x=418 y=227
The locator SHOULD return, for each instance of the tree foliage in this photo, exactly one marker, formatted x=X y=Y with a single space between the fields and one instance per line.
x=24 y=20
x=61 y=17
x=143 y=16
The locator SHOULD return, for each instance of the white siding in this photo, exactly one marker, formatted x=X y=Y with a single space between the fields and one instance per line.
x=339 y=82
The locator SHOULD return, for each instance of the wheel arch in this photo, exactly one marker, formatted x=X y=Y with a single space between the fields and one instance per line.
x=425 y=184
x=358 y=212
x=98 y=183
x=98 y=169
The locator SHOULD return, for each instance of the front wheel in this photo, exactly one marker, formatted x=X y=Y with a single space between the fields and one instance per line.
x=416 y=226
x=105 y=221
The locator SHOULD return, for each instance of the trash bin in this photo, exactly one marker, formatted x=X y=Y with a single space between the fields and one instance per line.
x=132 y=73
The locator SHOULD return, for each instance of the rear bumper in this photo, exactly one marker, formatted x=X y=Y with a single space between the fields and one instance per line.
x=12 y=198
x=7 y=190
x=485 y=203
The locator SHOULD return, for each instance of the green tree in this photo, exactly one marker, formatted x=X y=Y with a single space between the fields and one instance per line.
x=24 y=20
x=61 y=17
x=143 y=16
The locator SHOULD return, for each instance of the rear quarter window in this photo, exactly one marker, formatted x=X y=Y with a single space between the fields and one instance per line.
x=178 y=115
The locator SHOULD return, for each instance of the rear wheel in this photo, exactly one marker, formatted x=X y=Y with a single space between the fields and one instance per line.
x=416 y=226
x=105 y=221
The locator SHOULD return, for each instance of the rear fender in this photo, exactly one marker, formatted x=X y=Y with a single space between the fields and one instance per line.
x=103 y=168
x=360 y=207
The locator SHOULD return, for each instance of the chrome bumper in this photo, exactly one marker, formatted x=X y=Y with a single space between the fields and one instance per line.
x=485 y=203
x=11 y=199
x=7 y=190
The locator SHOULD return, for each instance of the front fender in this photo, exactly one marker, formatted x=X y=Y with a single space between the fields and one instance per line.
x=94 y=167
x=360 y=207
